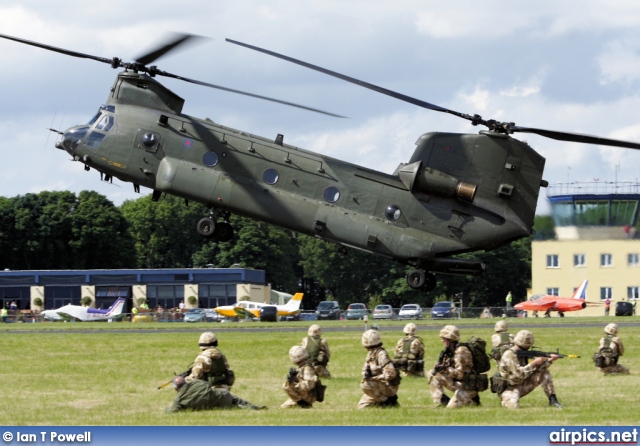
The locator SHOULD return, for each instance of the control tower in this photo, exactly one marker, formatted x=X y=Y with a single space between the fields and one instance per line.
x=596 y=239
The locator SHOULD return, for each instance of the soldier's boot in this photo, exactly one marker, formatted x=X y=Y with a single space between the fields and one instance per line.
x=303 y=404
x=553 y=401
x=244 y=404
x=392 y=401
x=476 y=400
x=444 y=400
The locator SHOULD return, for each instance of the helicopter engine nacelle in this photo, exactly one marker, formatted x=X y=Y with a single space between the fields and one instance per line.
x=434 y=182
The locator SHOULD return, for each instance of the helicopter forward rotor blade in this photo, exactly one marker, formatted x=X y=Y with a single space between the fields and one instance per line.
x=361 y=83
x=244 y=93
x=58 y=50
x=577 y=137
x=175 y=40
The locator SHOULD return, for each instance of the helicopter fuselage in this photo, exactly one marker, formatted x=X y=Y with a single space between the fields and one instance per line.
x=458 y=193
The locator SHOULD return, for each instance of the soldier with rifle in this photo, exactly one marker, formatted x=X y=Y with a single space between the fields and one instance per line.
x=380 y=379
x=520 y=377
x=199 y=395
x=301 y=381
x=454 y=365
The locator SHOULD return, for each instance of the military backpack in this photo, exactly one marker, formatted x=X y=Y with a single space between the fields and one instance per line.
x=605 y=357
x=478 y=348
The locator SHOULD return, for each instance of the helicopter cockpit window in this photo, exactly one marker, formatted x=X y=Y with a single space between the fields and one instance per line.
x=210 y=158
x=392 y=212
x=94 y=139
x=105 y=123
x=331 y=194
x=106 y=108
x=270 y=176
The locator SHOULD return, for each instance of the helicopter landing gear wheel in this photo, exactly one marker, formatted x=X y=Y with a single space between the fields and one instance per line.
x=416 y=278
x=223 y=232
x=429 y=282
x=206 y=226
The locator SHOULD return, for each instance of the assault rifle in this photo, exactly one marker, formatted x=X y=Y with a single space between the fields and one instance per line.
x=439 y=367
x=183 y=374
x=292 y=376
x=538 y=353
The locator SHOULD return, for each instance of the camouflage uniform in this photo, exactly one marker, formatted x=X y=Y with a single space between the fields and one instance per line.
x=523 y=377
x=615 y=344
x=318 y=349
x=500 y=340
x=379 y=388
x=455 y=366
x=409 y=353
x=301 y=391
x=211 y=365
x=198 y=395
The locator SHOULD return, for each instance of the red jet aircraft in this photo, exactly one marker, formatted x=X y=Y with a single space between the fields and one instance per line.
x=549 y=302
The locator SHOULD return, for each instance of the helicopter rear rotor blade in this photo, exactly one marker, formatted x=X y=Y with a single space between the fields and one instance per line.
x=491 y=124
x=578 y=137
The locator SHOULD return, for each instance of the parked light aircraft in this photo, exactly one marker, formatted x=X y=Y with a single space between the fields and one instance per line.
x=549 y=302
x=85 y=314
x=245 y=308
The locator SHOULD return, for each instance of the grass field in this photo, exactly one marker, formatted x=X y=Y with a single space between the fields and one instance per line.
x=108 y=374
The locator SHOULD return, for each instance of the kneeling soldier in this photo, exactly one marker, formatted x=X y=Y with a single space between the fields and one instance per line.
x=301 y=382
x=380 y=380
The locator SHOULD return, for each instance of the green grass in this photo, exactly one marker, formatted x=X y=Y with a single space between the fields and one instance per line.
x=108 y=374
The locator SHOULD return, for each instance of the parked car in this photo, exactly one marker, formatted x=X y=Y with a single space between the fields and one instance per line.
x=269 y=313
x=212 y=315
x=195 y=315
x=410 y=311
x=624 y=309
x=328 y=309
x=383 y=312
x=356 y=311
x=444 y=310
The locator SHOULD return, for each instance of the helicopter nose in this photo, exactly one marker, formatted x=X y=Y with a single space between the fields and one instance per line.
x=72 y=138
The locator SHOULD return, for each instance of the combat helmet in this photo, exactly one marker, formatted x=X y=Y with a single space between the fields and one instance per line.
x=611 y=329
x=450 y=332
x=207 y=339
x=524 y=339
x=297 y=354
x=315 y=330
x=410 y=328
x=371 y=338
x=501 y=326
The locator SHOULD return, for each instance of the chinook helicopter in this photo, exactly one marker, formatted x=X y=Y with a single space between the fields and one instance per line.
x=457 y=193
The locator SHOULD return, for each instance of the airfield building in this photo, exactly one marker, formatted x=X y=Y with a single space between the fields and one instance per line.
x=211 y=287
x=596 y=239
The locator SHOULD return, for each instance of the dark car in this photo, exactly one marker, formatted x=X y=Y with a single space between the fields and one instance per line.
x=269 y=313
x=328 y=309
x=444 y=310
x=624 y=309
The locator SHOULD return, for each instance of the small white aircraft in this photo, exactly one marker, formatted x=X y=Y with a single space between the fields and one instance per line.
x=246 y=308
x=85 y=314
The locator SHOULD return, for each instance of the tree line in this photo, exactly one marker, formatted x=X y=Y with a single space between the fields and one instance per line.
x=62 y=230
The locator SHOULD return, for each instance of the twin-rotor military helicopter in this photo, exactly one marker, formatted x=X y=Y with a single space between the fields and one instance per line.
x=457 y=193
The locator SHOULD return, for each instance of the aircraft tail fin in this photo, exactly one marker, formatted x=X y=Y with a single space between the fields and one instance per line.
x=581 y=291
x=117 y=307
x=294 y=302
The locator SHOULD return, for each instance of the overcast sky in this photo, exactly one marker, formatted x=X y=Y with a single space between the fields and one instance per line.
x=570 y=65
